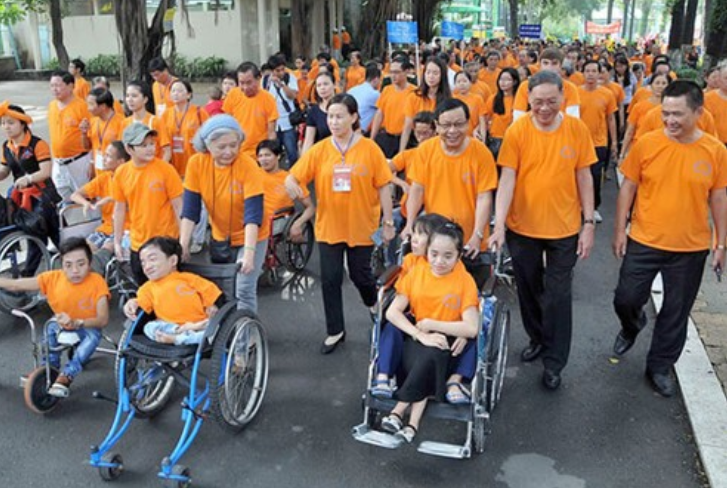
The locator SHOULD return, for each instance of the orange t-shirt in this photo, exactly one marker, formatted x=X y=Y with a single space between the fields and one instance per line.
x=489 y=78
x=481 y=89
x=336 y=42
x=224 y=191
x=162 y=95
x=345 y=216
x=178 y=298
x=546 y=204
x=101 y=134
x=477 y=109
x=81 y=88
x=617 y=91
x=409 y=261
x=41 y=153
x=65 y=136
x=355 y=75
x=443 y=298
x=148 y=193
x=402 y=162
x=642 y=93
x=671 y=210
x=391 y=103
x=577 y=78
x=716 y=103
x=597 y=107
x=652 y=121
x=98 y=188
x=453 y=183
x=570 y=96
x=499 y=123
x=181 y=128
x=636 y=113
x=415 y=103
x=78 y=300
x=276 y=197
x=254 y=114
x=155 y=123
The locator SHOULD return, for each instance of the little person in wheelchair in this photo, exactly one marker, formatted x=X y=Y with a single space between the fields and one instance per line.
x=182 y=302
x=438 y=353
x=79 y=299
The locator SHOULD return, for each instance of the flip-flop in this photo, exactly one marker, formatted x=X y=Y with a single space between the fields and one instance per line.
x=407 y=433
x=392 y=423
x=462 y=397
x=382 y=389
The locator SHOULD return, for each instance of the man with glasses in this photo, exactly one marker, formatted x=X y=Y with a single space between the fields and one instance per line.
x=545 y=198
x=388 y=121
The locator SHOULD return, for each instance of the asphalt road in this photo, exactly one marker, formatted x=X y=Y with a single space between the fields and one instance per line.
x=604 y=428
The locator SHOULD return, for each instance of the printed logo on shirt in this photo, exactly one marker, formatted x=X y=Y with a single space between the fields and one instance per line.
x=703 y=168
x=452 y=301
x=568 y=152
x=70 y=121
x=360 y=169
x=85 y=303
x=184 y=290
x=156 y=185
x=468 y=178
x=236 y=188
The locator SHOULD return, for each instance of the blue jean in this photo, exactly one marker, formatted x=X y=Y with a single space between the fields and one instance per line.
x=184 y=338
x=246 y=287
x=465 y=364
x=391 y=345
x=289 y=140
x=90 y=339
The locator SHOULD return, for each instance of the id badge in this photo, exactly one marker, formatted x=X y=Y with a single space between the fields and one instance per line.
x=98 y=160
x=177 y=144
x=161 y=107
x=342 y=179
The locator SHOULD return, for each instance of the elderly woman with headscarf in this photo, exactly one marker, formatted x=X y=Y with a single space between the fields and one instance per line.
x=230 y=184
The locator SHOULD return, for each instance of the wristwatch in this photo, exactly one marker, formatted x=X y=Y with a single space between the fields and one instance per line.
x=589 y=221
x=480 y=235
x=389 y=223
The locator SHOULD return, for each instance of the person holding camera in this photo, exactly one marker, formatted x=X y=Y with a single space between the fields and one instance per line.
x=284 y=87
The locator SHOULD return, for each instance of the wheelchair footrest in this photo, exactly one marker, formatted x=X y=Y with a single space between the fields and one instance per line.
x=442 y=449
x=367 y=435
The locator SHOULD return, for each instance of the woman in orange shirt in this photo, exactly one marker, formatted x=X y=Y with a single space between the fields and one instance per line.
x=498 y=109
x=355 y=73
x=140 y=104
x=657 y=83
x=352 y=186
x=463 y=91
x=182 y=123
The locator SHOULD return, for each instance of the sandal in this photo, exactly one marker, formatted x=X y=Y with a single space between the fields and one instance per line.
x=382 y=389
x=461 y=396
x=392 y=423
x=407 y=434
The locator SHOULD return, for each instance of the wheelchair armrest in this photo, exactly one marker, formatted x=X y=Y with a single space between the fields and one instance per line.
x=389 y=276
x=218 y=318
x=284 y=211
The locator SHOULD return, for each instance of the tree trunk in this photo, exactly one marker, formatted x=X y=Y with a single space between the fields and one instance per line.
x=717 y=47
x=625 y=24
x=645 y=11
x=689 y=21
x=609 y=12
x=300 y=12
x=513 y=18
x=706 y=19
x=139 y=42
x=677 y=21
x=632 y=20
x=424 y=12
x=57 y=27
x=374 y=19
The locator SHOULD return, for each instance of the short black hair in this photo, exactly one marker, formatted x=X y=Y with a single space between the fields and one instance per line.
x=592 y=61
x=372 y=71
x=450 y=104
x=685 y=88
x=275 y=62
x=351 y=106
x=324 y=56
x=187 y=85
x=74 y=244
x=428 y=222
x=425 y=117
x=169 y=246
x=157 y=64
x=271 y=145
x=79 y=64
x=103 y=97
x=230 y=75
x=450 y=229
x=120 y=150
x=64 y=75
x=249 y=67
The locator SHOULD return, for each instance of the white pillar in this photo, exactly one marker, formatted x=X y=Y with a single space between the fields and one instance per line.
x=262 y=48
x=35 y=40
x=275 y=12
x=332 y=19
x=339 y=17
x=318 y=34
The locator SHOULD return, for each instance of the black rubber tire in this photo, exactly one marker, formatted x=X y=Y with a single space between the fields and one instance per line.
x=36 y=394
x=12 y=249
x=297 y=254
x=111 y=473
x=241 y=329
x=180 y=470
x=497 y=348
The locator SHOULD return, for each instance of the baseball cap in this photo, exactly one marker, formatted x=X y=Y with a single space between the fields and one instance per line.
x=135 y=134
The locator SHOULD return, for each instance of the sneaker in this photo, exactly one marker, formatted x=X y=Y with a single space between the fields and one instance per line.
x=407 y=434
x=195 y=248
x=61 y=387
x=597 y=217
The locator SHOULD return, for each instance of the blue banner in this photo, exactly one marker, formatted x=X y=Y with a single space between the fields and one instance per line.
x=401 y=32
x=532 y=31
x=453 y=30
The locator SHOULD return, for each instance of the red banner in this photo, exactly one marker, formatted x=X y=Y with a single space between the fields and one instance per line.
x=612 y=28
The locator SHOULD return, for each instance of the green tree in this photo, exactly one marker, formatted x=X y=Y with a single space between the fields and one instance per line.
x=12 y=12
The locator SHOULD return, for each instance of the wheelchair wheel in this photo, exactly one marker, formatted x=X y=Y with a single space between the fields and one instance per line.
x=21 y=256
x=110 y=473
x=297 y=254
x=240 y=367
x=182 y=471
x=36 y=394
x=497 y=346
x=149 y=385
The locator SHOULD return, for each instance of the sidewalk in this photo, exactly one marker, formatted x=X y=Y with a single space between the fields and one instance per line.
x=710 y=316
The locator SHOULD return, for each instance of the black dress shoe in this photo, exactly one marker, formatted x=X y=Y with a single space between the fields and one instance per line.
x=531 y=353
x=662 y=383
x=622 y=344
x=551 y=379
x=329 y=348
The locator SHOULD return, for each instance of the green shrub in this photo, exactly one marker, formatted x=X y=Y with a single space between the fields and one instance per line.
x=52 y=65
x=211 y=67
x=104 y=65
x=687 y=74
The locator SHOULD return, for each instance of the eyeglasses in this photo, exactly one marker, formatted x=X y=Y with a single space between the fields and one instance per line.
x=453 y=125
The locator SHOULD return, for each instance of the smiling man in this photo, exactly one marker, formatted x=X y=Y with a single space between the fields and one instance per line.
x=546 y=188
x=673 y=178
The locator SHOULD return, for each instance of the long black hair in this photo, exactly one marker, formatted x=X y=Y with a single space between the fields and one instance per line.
x=498 y=104
x=443 y=92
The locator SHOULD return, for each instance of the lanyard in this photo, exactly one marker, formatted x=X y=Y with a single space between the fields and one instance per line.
x=180 y=122
x=344 y=150
x=102 y=133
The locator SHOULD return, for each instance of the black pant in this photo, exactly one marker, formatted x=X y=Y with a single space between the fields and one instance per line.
x=388 y=143
x=597 y=172
x=359 y=269
x=545 y=292
x=682 y=275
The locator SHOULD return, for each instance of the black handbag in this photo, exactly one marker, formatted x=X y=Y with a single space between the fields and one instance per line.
x=297 y=117
x=31 y=222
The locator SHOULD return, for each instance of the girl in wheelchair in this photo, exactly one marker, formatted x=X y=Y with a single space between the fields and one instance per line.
x=182 y=302
x=438 y=353
x=78 y=298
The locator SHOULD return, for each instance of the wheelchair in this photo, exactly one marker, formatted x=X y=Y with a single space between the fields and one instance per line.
x=22 y=255
x=486 y=385
x=230 y=390
x=284 y=253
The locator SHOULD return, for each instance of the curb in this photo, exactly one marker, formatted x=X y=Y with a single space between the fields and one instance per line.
x=703 y=396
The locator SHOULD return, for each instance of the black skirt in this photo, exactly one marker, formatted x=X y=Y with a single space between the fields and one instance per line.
x=425 y=371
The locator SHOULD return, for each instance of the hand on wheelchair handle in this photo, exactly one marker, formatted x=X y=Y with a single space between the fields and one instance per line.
x=388 y=234
x=130 y=309
x=247 y=263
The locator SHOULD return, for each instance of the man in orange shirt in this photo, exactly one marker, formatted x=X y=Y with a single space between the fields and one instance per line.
x=162 y=87
x=104 y=128
x=388 y=121
x=673 y=178
x=254 y=108
x=716 y=102
x=81 y=87
x=598 y=108
x=546 y=198
x=71 y=160
x=551 y=60
x=489 y=74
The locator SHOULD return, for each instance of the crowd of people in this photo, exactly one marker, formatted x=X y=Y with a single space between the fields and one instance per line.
x=510 y=135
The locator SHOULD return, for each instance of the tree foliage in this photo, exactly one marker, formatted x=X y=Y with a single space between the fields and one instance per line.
x=12 y=12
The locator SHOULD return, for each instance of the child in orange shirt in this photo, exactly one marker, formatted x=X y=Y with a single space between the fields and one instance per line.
x=79 y=299
x=443 y=301
x=182 y=302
